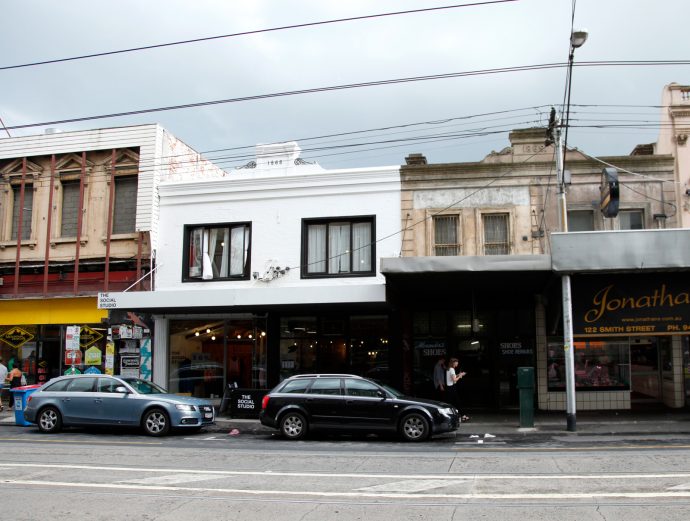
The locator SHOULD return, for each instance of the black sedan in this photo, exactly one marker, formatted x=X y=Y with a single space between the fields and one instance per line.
x=348 y=403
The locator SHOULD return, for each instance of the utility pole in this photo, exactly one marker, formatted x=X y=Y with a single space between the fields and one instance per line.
x=577 y=39
x=568 y=348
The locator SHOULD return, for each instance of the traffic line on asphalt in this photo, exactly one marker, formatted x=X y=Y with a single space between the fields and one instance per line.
x=269 y=473
x=684 y=486
x=170 y=479
x=412 y=486
x=255 y=492
x=588 y=449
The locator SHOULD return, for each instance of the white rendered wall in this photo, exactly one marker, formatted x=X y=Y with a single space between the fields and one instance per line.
x=275 y=200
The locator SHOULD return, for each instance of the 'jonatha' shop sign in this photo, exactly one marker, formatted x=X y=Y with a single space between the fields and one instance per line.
x=631 y=305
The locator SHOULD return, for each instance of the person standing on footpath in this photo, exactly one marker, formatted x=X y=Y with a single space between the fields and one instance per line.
x=452 y=379
x=15 y=378
x=440 y=378
x=3 y=377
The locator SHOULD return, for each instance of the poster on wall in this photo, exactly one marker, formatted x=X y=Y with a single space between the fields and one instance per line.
x=129 y=366
x=73 y=357
x=126 y=331
x=93 y=356
x=145 y=369
x=110 y=354
x=72 y=338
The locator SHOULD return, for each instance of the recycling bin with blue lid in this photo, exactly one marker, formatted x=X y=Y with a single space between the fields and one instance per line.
x=21 y=397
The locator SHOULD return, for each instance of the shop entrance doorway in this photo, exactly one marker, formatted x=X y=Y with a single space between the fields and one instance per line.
x=646 y=369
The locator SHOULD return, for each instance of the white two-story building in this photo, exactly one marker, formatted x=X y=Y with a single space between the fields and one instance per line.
x=270 y=271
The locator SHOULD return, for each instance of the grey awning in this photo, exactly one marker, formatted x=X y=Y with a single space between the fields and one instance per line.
x=621 y=250
x=485 y=263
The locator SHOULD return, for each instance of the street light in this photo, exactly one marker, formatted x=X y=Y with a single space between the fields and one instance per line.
x=577 y=39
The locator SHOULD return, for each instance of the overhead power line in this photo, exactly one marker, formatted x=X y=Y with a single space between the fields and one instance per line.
x=376 y=83
x=256 y=31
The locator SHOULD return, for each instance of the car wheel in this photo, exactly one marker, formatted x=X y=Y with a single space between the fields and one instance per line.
x=293 y=426
x=156 y=422
x=49 y=420
x=414 y=427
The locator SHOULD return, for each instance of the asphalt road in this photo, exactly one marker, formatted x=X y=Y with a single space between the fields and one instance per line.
x=90 y=474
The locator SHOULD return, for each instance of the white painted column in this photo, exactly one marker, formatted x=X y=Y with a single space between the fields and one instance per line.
x=161 y=353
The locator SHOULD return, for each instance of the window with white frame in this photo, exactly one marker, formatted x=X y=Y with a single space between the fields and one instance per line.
x=215 y=252
x=446 y=235
x=338 y=247
x=27 y=210
x=496 y=233
x=631 y=220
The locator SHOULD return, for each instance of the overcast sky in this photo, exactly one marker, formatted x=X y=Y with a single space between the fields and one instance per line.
x=526 y=32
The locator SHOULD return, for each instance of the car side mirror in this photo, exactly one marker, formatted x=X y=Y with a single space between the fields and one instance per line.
x=121 y=389
x=381 y=394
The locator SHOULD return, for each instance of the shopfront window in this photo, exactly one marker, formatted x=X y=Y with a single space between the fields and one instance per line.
x=298 y=343
x=334 y=344
x=599 y=365
x=18 y=347
x=207 y=354
x=369 y=346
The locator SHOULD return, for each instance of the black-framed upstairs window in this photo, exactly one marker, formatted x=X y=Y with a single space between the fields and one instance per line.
x=338 y=247
x=217 y=252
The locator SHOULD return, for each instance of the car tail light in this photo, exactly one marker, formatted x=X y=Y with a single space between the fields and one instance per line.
x=28 y=399
x=264 y=402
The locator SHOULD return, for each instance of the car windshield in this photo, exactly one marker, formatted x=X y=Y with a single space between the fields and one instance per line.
x=144 y=387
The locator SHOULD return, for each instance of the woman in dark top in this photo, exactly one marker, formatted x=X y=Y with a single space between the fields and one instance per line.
x=15 y=379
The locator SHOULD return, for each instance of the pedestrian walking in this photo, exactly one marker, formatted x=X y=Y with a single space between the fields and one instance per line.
x=3 y=377
x=440 y=378
x=452 y=378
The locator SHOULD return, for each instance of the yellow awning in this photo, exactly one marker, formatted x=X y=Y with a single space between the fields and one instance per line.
x=76 y=310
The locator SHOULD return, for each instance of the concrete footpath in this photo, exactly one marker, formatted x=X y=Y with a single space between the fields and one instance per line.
x=507 y=423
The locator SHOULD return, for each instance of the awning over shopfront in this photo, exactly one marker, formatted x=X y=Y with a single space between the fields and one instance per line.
x=448 y=277
x=621 y=250
x=456 y=264
x=217 y=298
x=74 y=310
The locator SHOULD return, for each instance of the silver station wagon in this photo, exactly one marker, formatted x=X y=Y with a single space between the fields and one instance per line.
x=102 y=400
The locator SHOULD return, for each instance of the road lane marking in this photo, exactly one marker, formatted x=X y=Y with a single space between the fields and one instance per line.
x=254 y=492
x=583 y=449
x=684 y=486
x=266 y=473
x=412 y=486
x=170 y=479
